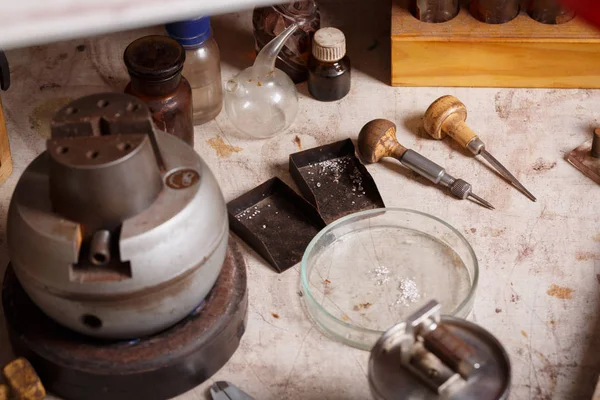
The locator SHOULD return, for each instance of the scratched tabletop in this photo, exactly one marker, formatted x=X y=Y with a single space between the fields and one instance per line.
x=539 y=262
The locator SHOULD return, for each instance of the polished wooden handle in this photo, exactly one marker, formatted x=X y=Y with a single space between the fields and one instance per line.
x=447 y=116
x=455 y=127
x=377 y=139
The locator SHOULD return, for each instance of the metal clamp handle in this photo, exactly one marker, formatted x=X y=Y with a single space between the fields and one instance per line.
x=438 y=357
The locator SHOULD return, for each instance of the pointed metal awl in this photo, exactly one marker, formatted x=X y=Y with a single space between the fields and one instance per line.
x=447 y=116
x=482 y=201
x=504 y=172
x=377 y=139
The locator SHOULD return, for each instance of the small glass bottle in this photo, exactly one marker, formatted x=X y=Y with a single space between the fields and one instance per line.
x=495 y=11
x=270 y=21
x=434 y=11
x=329 y=66
x=202 y=66
x=154 y=64
x=549 y=12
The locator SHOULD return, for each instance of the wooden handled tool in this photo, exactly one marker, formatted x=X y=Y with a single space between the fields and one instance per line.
x=5 y=156
x=447 y=116
x=377 y=139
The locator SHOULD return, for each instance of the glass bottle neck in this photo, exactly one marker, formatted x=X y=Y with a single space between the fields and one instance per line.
x=197 y=45
x=149 y=88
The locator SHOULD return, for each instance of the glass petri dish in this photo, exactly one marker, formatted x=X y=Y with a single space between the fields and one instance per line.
x=368 y=271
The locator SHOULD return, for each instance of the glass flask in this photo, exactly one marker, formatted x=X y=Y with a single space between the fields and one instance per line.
x=262 y=100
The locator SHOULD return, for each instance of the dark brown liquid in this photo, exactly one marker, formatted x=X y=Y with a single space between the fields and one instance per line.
x=329 y=81
x=170 y=104
x=154 y=64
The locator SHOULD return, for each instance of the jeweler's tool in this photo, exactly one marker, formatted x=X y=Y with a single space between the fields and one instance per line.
x=447 y=116
x=430 y=356
x=377 y=139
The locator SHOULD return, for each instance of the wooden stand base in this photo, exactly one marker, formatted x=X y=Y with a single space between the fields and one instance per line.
x=467 y=52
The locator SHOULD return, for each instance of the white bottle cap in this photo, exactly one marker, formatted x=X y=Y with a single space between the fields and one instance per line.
x=329 y=45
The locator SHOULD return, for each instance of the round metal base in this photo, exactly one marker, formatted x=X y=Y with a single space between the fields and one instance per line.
x=74 y=366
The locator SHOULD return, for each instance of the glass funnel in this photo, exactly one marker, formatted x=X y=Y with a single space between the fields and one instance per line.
x=262 y=101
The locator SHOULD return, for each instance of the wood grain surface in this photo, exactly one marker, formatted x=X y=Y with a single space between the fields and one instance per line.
x=377 y=139
x=466 y=52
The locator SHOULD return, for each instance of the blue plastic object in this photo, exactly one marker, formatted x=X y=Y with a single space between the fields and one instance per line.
x=190 y=33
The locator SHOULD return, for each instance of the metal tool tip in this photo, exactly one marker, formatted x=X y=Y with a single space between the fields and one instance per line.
x=532 y=197
x=507 y=175
x=523 y=190
x=481 y=201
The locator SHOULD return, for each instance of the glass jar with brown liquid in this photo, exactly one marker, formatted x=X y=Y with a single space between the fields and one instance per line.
x=329 y=67
x=154 y=64
x=494 y=11
x=549 y=12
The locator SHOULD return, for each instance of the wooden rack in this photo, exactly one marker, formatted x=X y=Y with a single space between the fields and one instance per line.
x=467 y=52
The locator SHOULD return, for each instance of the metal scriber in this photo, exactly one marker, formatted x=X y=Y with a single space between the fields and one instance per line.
x=377 y=139
x=447 y=116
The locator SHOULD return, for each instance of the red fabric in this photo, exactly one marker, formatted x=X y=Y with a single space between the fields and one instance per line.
x=588 y=9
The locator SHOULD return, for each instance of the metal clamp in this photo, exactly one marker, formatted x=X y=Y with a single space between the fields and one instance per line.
x=434 y=354
x=431 y=357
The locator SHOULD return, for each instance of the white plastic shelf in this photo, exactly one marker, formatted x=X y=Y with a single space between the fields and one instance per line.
x=29 y=22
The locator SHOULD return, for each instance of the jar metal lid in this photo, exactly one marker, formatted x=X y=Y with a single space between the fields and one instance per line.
x=154 y=58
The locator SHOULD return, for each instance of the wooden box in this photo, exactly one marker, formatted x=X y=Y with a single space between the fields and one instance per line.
x=467 y=52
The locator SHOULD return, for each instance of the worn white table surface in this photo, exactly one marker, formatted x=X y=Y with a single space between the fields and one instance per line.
x=539 y=262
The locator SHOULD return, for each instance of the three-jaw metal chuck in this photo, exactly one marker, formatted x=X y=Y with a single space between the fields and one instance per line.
x=118 y=230
x=123 y=283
